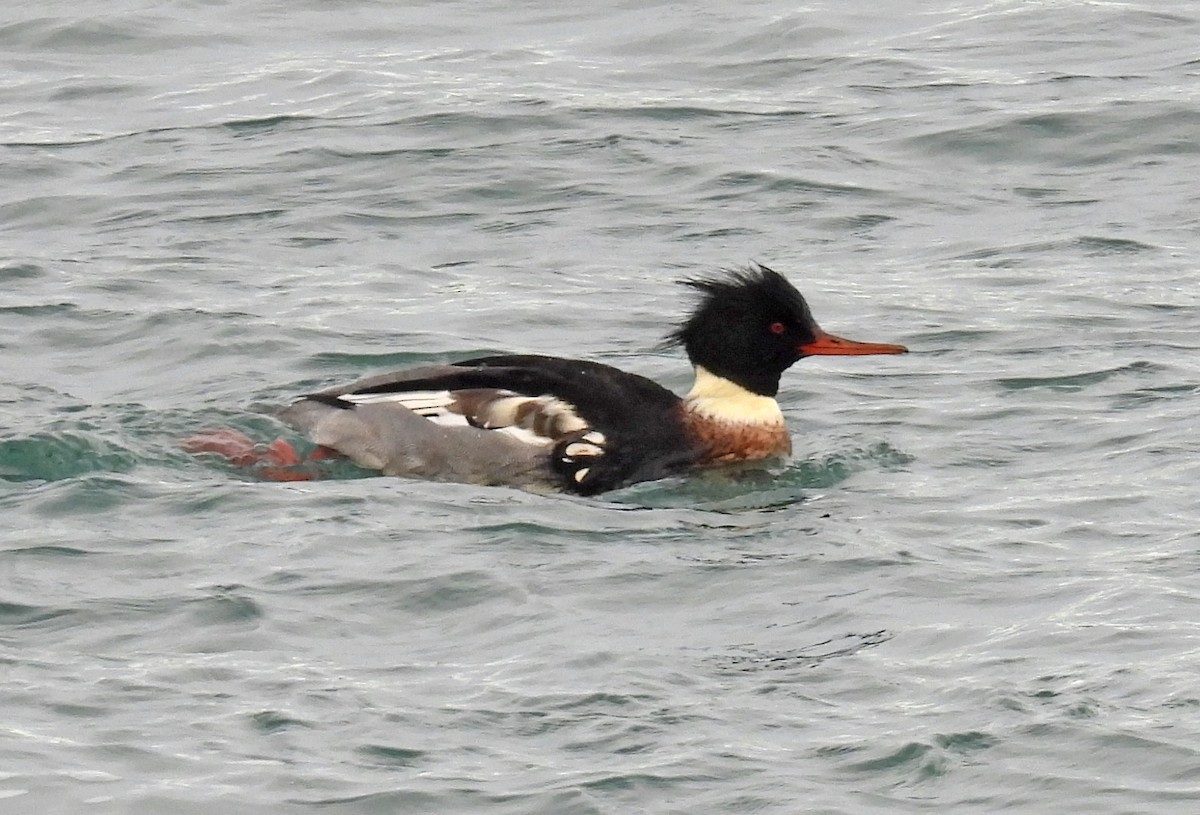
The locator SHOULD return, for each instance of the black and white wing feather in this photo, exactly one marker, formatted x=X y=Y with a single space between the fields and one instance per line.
x=589 y=426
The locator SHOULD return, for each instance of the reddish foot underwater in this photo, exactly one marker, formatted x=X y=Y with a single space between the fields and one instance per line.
x=277 y=461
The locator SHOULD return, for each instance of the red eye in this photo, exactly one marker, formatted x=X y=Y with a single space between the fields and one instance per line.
x=778 y=328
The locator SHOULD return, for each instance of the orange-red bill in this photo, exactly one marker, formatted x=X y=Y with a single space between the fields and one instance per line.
x=832 y=345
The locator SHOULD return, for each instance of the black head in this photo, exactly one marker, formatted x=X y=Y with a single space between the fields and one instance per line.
x=751 y=325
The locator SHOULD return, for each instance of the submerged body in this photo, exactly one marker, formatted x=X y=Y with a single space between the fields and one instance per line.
x=543 y=422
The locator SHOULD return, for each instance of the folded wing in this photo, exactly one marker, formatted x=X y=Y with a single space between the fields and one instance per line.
x=523 y=420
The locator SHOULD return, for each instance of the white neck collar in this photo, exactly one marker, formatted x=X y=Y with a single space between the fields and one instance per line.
x=716 y=397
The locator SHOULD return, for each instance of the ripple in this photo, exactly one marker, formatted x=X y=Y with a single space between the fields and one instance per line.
x=60 y=456
x=1087 y=138
x=810 y=656
x=1076 y=382
x=753 y=487
x=273 y=721
x=19 y=615
x=392 y=756
x=919 y=759
x=226 y=605
x=16 y=272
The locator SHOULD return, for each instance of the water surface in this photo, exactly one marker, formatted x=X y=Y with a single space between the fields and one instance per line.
x=974 y=588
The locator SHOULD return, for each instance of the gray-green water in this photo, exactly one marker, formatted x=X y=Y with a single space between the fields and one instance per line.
x=975 y=588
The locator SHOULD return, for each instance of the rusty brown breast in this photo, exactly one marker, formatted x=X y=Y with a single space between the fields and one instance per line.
x=724 y=441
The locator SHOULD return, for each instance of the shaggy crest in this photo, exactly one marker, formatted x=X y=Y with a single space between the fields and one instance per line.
x=751 y=291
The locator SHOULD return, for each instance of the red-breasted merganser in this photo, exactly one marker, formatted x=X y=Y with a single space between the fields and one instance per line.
x=569 y=425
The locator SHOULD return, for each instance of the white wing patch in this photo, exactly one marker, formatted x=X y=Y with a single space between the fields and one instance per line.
x=436 y=406
x=531 y=419
x=416 y=401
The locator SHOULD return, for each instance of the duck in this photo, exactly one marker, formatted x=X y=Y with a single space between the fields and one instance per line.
x=553 y=424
